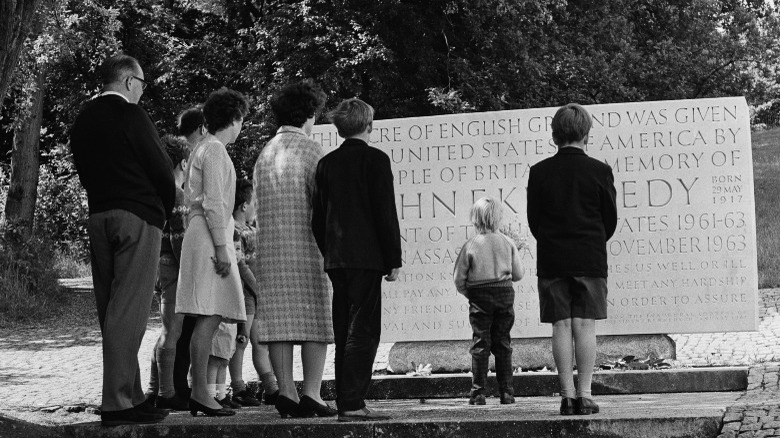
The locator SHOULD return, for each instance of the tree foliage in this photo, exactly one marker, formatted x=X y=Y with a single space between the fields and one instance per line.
x=405 y=57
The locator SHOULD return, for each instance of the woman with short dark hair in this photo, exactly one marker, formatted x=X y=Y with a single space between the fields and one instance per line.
x=209 y=284
x=294 y=297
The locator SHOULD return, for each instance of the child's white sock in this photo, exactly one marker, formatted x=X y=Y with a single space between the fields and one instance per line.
x=221 y=390
x=212 y=389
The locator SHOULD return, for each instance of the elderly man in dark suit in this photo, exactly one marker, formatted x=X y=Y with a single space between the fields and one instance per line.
x=130 y=190
x=572 y=214
x=355 y=223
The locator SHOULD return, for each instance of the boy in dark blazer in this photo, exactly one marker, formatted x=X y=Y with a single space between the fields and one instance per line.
x=355 y=224
x=572 y=213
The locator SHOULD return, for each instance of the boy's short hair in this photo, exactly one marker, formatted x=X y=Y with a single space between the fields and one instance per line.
x=570 y=124
x=177 y=148
x=352 y=117
x=244 y=192
x=189 y=120
x=486 y=214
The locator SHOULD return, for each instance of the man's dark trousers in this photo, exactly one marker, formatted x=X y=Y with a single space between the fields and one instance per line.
x=357 y=326
x=124 y=251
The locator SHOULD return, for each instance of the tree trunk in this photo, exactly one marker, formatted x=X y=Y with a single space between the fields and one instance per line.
x=16 y=16
x=23 y=189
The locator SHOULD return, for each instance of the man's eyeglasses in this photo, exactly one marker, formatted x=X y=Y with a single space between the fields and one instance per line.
x=143 y=82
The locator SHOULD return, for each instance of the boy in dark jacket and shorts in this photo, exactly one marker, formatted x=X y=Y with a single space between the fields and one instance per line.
x=572 y=213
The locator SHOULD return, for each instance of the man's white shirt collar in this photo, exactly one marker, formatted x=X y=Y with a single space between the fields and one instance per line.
x=106 y=93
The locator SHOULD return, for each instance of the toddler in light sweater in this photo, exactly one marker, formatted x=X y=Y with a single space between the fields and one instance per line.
x=487 y=265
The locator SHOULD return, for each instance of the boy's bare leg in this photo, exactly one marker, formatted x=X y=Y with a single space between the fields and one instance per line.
x=236 y=366
x=165 y=350
x=563 y=352
x=584 y=331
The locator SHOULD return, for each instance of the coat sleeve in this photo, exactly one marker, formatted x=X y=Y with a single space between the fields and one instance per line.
x=461 y=272
x=384 y=211
x=319 y=207
x=609 y=205
x=149 y=150
x=532 y=209
x=217 y=208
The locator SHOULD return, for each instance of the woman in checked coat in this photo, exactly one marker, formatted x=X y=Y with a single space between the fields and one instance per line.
x=294 y=295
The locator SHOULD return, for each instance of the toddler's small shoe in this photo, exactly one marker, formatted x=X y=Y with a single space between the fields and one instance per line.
x=586 y=406
x=568 y=406
x=478 y=399
x=245 y=398
x=507 y=398
x=228 y=403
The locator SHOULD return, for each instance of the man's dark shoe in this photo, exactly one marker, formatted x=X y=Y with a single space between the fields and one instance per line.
x=129 y=416
x=245 y=398
x=507 y=398
x=478 y=399
x=270 y=399
x=148 y=408
x=361 y=415
x=586 y=406
x=174 y=403
x=228 y=403
x=151 y=398
x=568 y=406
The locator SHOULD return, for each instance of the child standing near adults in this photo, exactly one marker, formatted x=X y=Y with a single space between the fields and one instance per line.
x=572 y=213
x=244 y=236
x=486 y=266
x=355 y=223
x=163 y=388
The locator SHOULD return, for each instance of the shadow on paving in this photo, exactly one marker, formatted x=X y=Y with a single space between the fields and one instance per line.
x=39 y=339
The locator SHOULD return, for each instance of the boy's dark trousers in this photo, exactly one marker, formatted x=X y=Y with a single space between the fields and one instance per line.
x=492 y=315
x=181 y=366
x=357 y=325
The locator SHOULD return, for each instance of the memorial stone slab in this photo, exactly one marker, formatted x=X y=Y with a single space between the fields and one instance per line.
x=683 y=258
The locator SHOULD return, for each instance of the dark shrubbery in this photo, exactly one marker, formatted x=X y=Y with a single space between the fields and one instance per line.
x=28 y=280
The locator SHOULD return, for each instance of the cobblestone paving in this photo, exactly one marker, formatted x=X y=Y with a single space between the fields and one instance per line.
x=757 y=413
x=64 y=369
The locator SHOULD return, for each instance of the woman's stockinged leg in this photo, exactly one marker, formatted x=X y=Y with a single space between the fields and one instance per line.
x=584 y=331
x=313 y=358
x=281 y=354
x=200 y=348
x=563 y=352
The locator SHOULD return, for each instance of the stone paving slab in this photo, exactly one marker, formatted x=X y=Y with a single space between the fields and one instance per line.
x=678 y=415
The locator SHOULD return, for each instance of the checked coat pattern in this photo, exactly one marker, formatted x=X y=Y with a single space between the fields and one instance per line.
x=294 y=294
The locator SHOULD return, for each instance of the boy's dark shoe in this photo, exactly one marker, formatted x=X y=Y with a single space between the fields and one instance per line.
x=228 y=403
x=134 y=415
x=361 y=415
x=478 y=399
x=174 y=403
x=270 y=399
x=586 y=406
x=507 y=398
x=568 y=406
x=245 y=398
x=151 y=398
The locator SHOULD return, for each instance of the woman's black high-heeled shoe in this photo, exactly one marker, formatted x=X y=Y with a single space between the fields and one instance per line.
x=196 y=407
x=320 y=410
x=288 y=408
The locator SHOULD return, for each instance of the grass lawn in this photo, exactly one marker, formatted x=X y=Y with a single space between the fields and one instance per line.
x=766 y=173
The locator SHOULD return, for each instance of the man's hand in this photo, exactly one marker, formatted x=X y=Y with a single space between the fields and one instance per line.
x=393 y=275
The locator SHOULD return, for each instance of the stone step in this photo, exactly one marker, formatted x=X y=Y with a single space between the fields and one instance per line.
x=715 y=379
x=684 y=415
